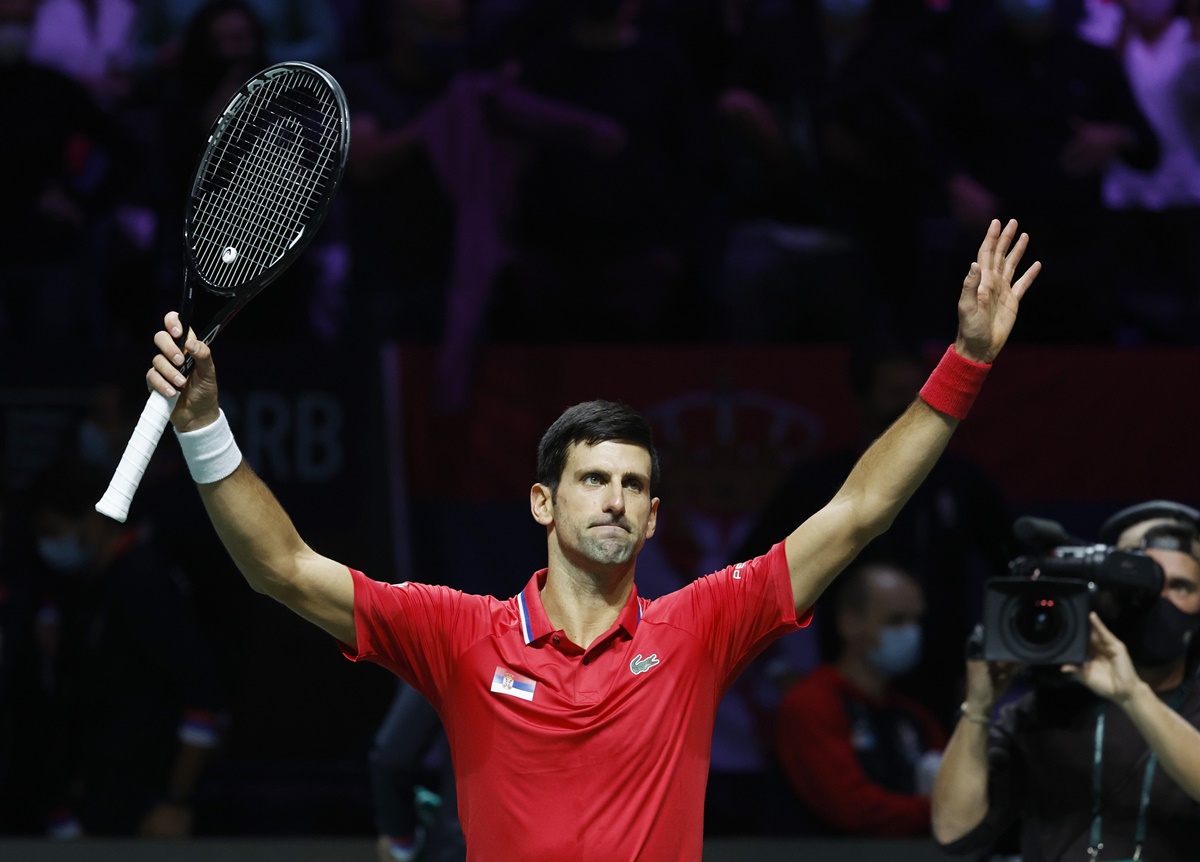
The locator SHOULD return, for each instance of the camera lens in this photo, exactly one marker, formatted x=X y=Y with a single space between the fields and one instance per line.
x=1039 y=621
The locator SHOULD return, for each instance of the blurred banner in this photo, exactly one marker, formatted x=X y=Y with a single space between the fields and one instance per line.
x=1052 y=425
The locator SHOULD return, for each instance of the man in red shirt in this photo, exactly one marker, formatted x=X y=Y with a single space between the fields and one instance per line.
x=579 y=715
x=858 y=753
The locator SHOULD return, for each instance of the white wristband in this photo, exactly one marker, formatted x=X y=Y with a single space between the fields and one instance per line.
x=211 y=452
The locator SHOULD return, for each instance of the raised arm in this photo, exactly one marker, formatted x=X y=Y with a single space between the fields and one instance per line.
x=256 y=531
x=895 y=465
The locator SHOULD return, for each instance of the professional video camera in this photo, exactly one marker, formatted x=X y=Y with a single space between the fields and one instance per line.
x=1038 y=614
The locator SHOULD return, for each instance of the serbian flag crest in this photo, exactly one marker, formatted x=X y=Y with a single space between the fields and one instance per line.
x=507 y=682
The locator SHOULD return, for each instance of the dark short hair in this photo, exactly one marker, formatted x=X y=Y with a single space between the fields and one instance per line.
x=853 y=586
x=590 y=423
x=1153 y=510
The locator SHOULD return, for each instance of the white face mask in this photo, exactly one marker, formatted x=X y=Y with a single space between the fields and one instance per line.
x=64 y=554
x=899 y=650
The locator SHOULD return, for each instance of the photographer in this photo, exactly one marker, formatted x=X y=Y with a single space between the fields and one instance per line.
x=1107 y=766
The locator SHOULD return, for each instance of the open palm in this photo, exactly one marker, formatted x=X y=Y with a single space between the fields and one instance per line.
x=987 y=308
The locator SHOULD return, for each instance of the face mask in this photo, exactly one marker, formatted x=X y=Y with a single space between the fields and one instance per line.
x=63 y=554
x=899 y=650
x=14 y=42
x=1161 y=635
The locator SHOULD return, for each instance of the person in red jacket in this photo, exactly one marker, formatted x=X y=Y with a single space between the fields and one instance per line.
x=860 y=755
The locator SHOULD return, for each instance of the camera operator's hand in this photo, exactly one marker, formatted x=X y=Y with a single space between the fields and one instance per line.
x=1109 y=672
x=987 y=682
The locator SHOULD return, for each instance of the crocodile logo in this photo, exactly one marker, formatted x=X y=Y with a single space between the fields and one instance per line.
x=641 y=665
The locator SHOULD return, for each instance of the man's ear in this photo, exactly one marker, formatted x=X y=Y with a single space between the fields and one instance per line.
x=652 y=522
x=541 y=504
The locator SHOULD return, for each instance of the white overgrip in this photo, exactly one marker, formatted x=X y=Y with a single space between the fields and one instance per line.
x=128 y=475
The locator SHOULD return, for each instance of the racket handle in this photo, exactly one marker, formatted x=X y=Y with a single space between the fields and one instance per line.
x=124 y=483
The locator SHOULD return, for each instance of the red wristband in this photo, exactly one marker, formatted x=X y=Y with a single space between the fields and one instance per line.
x=953 y=385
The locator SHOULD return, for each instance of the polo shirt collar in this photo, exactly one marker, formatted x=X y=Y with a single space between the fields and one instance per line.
x=535 y=624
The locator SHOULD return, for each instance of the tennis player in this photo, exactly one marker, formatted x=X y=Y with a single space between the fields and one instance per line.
x=580 y=715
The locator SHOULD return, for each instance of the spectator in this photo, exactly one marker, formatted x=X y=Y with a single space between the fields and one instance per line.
x=1109 y=760
x=133 y=680
x=294 y=29
x=952 y=536
x=609 y=228
x=90 y=40
x=70 y=169
x=18 y=684
x=858 y=753
x=1159 y=210
x=833 y=99
x=224 y=44
x=1033 y=118
x=412 y=821
x=401 y=224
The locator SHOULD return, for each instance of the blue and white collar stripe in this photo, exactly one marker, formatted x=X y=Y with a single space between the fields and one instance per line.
x=523 y=615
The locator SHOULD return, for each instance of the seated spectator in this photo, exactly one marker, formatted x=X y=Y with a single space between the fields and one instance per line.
x=1158 y=211
x=1034 y=117
x=295 y=30
x=90 y=40
x=132 y=677
x=952 y=536
x=70 y=171
x=861 y=756
x=609 y=230
x=829 y=103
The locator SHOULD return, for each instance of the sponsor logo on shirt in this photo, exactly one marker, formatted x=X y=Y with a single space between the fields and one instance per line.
x=506 y=682
x=641 y=665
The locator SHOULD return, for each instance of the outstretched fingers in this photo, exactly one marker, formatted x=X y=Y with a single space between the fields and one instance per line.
x=1025 y=281
x=987 y=249
x=1013 y=258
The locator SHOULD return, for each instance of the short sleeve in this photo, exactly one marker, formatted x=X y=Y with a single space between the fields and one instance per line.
x=414 y=629
x=739 y=610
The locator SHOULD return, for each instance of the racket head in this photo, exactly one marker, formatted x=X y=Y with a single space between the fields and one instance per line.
x=267 y=177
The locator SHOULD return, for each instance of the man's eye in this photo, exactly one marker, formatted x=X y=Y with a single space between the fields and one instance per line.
x=591 y=479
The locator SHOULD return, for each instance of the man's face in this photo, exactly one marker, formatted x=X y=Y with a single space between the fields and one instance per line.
x=602 y=513
x=893 y=600
x=1181 y=581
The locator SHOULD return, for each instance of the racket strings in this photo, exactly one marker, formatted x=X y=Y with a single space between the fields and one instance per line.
x=277 y=194
x=255 y=198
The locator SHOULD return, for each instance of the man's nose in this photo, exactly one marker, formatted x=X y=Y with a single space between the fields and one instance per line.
x=615 y=499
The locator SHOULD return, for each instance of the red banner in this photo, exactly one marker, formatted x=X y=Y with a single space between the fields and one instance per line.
x=1053 y=425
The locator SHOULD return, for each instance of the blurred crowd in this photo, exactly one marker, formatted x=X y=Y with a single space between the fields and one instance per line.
x=566 y=172
x=726 y=170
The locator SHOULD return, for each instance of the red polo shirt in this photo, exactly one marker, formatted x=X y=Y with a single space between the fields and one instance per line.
x=562 y=753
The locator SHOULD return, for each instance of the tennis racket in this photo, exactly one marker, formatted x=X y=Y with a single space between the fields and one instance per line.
x=264 y=184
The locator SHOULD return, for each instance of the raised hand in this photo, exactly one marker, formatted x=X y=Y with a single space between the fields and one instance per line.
x=197 y=405
x=987 y=307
